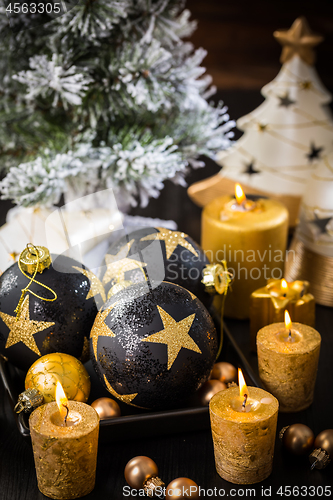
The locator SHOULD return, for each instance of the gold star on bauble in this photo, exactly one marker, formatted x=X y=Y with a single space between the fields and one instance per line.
x=174 y=335
x=96 y=287
x=24 y=328
x=117 y=265
x=126 y=398
x=171 y=239
x=298 y=40
x=100 y=329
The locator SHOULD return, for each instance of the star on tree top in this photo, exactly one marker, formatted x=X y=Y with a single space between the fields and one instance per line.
x=298 y=40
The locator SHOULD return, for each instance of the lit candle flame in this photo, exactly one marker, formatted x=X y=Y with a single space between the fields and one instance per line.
x=287 y=320
x=284 y=286
x=61 y=400
x=239 y=194
x=242 y=384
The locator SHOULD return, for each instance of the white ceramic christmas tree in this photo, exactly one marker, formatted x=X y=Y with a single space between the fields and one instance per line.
x=311 y=253
x=285 y=136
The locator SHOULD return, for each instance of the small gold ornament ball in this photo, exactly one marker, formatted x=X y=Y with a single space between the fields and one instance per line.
x=298 y=439
x=106 y=408
x=138 y=470
x=225 y=372
x=181 y=488
x=44 y=373
x=324 y=440
x=208 y=390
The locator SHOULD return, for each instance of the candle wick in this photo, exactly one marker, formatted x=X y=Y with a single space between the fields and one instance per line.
x=289 y=336
x=284 y=295
x=244 y=402
x=302 y=292
x=67 y=412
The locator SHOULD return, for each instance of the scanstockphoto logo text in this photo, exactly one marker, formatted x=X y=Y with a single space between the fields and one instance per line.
x=259 y=492
x=242 y=264
x=185 y=492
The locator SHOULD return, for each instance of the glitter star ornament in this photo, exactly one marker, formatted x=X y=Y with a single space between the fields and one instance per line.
x=174 y=335
x=55 y=313
x=23 y=329
x=159 y=254
x=153 y=349
x=172 y=239
x=285 y=137
x=117 y=265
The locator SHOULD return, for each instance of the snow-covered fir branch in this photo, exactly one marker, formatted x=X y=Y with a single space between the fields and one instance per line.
x=51 y=79
x=43 y=180
x=119 y=72
x=139 y=169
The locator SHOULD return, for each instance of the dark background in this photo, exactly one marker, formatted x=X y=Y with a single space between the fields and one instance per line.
x=238 y=35
x=242 y=57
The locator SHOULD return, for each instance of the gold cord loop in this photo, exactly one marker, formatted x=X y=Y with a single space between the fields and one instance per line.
x=25 y=261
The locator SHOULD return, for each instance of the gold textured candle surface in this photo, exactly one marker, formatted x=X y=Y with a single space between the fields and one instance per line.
x=65 y=456
x=252 y=242
x=243 y=441
x=267 y=305
x=288 y=369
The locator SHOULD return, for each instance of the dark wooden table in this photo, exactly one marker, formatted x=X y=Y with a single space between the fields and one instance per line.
x=186 y=454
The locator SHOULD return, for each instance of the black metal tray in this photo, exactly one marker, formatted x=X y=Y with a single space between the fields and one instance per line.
x=134 y=422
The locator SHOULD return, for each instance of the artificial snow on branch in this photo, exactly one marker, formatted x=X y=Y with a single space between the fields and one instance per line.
x=50 y=79
x=119 y=73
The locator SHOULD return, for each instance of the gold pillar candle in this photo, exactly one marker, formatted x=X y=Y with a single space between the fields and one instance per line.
x=288 y=361
x=267 y=305
x=243 y=440
x=65 y=453
x=252 y=238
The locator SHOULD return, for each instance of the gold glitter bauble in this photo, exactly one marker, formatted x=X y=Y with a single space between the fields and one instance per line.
x=69 y=371
x=106 y=408
x=225 y=372
x=182 y=488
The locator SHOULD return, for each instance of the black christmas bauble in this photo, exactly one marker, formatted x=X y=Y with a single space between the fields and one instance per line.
x=157 y=254
x=153 y=347
x=46 y=327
